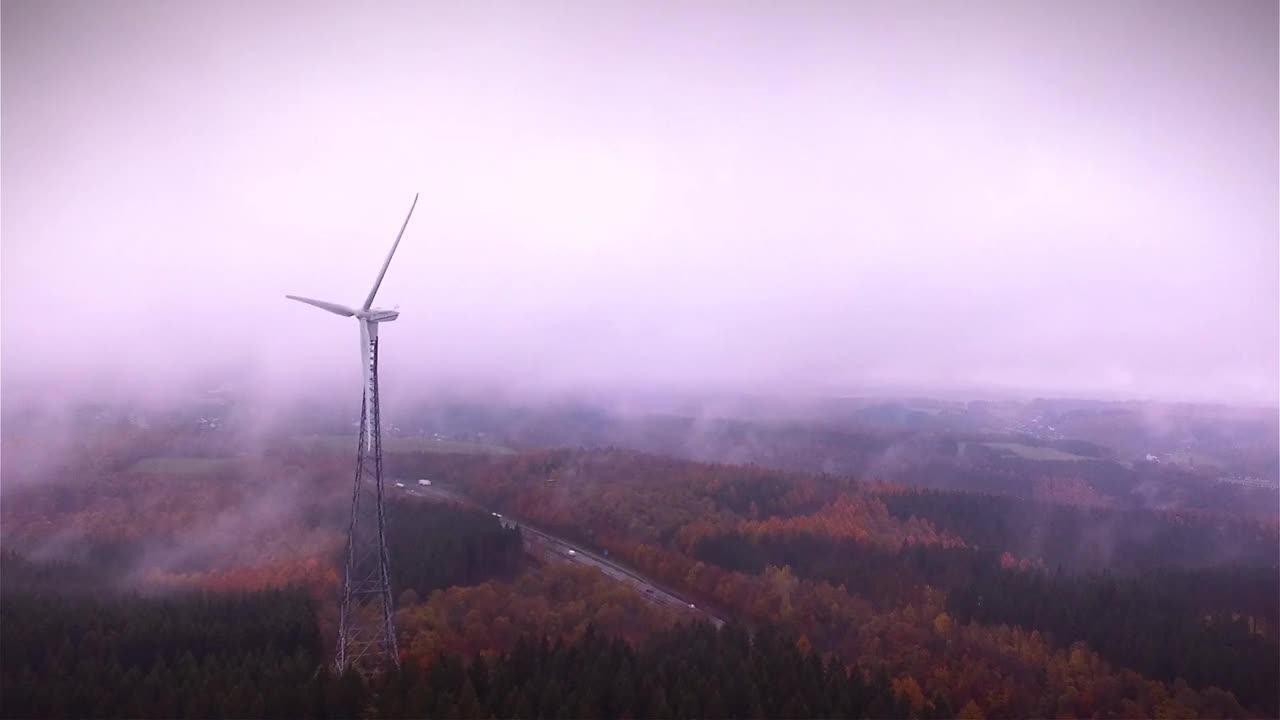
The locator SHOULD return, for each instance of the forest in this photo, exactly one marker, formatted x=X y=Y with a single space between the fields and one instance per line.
x=846 y=597
x=258 y=655
x=85 y=653
x=968 y=447
x=438 y=547
x=889 y=574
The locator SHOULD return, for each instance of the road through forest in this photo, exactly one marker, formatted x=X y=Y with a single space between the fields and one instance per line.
x=553 y=547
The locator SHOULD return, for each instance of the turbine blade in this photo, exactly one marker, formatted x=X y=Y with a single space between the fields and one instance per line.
x=334 y=308
x=368 y=302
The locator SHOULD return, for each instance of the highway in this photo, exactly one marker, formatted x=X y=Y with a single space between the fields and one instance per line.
x=551 y=547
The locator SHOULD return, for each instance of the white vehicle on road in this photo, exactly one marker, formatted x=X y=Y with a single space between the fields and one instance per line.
x=573 y=552
x=424 y=483
x=399 y=485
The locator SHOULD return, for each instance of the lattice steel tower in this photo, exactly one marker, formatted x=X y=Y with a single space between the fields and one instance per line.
x=366 y=626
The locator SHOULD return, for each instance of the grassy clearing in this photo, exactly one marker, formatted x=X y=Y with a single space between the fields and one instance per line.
x=1189 y=459
x=1033 y=452
x=407 y=444
x=167 y=465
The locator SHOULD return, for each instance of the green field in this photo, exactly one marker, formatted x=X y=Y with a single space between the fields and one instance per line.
x=407 y=444
x=1033 y=452
x=169 y=465
x=1189 y=459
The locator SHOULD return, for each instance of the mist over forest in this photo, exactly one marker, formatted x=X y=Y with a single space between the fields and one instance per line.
x=826 y=359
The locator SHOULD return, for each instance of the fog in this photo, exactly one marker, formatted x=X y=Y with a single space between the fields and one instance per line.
x=807 y=198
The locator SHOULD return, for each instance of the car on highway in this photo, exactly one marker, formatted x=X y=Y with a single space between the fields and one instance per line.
x=573 y=552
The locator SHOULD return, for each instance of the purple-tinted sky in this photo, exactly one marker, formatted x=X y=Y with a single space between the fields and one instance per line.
x=1074 y=197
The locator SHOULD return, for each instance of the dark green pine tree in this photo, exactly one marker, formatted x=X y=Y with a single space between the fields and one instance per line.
x=468 y=702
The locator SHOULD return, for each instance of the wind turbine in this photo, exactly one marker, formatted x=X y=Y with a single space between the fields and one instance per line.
x=366 y=629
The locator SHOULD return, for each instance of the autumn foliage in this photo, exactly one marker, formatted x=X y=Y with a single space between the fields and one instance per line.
x=928 y=603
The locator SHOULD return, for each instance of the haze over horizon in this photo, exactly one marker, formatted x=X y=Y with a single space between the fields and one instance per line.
x=1072 y=198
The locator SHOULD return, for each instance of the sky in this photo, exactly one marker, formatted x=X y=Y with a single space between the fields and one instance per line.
x=813 y=197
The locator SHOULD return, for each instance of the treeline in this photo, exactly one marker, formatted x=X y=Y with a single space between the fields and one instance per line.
x=197 y=655
x=1209 y=627
x=889 y=442
x=883 y=576
x=1091 y=538
x=259 y=655
x=686 y=672
x=89 y=566
x=435 y=546
x=1169 y=625
x=980 y=468
x=587 y=494
x=557 y=600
